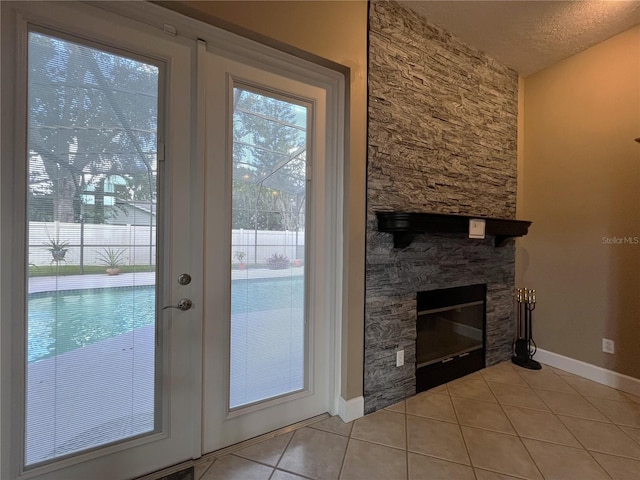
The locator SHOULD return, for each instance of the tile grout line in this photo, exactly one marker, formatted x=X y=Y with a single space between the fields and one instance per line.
x=205 y=470
x=551 y=411
x=276 y=467
x=406 y=440
x=261 y=438
x=504 y=412
x=520 y=438
x=598 y=463
x=636 y=442
x=557 y=416
x=284 y=450
x=235 y=453
x=346 y=450
x=583 y=445
x=611 y=422
x=464 y=440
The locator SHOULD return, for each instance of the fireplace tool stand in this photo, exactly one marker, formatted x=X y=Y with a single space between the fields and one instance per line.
x=524 y=347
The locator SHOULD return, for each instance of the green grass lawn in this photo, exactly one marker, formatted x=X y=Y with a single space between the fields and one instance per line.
x=63 y=269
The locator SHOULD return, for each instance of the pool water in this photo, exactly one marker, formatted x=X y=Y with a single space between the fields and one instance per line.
x=66 y=320
x=63 y=321
x=253 y=295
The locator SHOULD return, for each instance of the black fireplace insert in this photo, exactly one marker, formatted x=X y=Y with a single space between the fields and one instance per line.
x=451 y=334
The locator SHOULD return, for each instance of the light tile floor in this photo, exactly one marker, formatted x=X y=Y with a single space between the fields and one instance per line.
x=501 y=423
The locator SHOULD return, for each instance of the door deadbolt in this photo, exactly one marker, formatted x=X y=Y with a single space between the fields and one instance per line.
x=184 y=279
x=184 y=304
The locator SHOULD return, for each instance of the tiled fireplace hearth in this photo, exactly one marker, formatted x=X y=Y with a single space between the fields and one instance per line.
x=442 y=139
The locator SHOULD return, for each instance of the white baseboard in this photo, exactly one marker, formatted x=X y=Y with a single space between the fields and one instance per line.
x=592 y=372
x=350 y=410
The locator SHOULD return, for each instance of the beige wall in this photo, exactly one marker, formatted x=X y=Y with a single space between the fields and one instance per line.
x=336 y=31
x=581 y=182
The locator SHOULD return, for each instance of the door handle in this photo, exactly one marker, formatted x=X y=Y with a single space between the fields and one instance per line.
x=184 y=304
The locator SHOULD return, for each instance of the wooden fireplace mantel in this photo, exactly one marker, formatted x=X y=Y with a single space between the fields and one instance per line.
x=406 y=225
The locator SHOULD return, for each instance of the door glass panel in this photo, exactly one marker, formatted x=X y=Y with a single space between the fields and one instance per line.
x=92 y=174
x=268 y=328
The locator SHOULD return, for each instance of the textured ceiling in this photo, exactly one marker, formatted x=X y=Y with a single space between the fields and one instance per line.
x=530 y=35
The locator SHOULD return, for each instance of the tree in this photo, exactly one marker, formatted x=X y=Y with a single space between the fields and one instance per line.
x=92 y=115
x=269 y=162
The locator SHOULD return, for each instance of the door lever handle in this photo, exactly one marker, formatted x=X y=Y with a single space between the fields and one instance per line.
x=184 y=304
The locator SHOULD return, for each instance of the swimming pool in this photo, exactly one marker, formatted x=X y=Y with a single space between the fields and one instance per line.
x=66 y=320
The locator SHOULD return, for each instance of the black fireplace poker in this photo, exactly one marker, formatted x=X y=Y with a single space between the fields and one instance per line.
x=524 y=348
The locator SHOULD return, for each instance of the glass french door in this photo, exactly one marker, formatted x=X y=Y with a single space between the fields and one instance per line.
x=142 y=169
x=103 y=368
x=268 y=361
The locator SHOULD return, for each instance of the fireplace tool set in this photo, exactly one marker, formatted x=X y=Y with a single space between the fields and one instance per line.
x=522 y=348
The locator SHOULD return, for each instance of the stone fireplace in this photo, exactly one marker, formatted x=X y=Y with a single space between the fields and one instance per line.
x=442 y=139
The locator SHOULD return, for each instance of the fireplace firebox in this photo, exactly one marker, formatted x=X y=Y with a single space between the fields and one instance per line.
x=451 y=334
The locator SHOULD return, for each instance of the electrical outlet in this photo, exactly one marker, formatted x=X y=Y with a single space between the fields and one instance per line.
x=399 y=358
x=608 y=345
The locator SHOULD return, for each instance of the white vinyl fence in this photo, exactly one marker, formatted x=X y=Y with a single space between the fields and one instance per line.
x=259 y=245
x=86 y=243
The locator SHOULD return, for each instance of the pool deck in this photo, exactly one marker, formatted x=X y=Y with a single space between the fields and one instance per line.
x=84 y=398
x=82 y=282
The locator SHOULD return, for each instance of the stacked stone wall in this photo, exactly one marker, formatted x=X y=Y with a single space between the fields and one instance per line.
x=442 y=138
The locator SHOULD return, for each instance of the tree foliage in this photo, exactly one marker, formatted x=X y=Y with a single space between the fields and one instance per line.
x=269 y=162
x=92 y=116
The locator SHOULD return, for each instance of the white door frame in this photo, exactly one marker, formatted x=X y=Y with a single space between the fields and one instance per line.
x=233 y=46
x=223 y=426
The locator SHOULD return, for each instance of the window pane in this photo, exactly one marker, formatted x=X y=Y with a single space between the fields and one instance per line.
x=268 y=245
x=92 y=169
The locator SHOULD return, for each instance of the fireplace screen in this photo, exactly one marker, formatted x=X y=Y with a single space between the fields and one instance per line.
x=450 y=340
